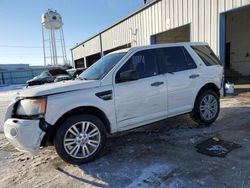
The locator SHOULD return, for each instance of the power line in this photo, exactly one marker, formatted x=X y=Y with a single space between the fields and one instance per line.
x=12 y=46
x=26 y=57
x=19 y=62
x=9 y=46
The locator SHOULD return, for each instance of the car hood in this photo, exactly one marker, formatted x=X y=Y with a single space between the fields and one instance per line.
x=58 y=87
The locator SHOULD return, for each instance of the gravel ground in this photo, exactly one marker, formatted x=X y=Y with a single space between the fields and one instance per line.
x=160 y=155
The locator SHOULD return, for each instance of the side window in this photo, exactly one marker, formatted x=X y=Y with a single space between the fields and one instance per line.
x=207 y=55
x=190 y=61
x=143 y=63
x=176 y=59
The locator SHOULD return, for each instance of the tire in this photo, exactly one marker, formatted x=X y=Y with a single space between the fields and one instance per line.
x=207 y=108
x=80 y=139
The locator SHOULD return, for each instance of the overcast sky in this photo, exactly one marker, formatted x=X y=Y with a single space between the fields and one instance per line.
x=20 y=24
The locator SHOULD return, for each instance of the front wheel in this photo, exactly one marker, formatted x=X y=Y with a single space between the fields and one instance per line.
x=206 y=108
x=80 y=139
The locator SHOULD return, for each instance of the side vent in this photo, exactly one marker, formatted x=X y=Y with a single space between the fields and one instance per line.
x=105 y=95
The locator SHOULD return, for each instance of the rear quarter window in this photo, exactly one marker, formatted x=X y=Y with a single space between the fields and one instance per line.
x=176 y=59
x=207 y=55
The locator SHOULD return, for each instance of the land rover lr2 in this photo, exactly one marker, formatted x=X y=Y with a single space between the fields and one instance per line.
x=123 y=90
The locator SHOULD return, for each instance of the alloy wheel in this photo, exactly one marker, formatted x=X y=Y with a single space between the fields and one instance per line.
x=208 y=107
x=82 y=140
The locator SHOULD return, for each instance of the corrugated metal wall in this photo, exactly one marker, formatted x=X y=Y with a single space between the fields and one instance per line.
x=204 y=16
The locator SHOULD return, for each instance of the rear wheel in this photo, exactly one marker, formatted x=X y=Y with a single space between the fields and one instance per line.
x=80 y=139
x=206 y=108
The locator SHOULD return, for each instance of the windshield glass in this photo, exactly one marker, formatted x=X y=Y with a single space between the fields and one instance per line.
x=44 y=74
x=55 y=72
x=101 y=68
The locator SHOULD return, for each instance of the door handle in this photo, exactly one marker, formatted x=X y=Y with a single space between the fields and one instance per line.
x=157 y=84
x=194 y=76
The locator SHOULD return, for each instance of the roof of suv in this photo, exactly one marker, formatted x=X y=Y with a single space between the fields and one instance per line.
x=161 y=45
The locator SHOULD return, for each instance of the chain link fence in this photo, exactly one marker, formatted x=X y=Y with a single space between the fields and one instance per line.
x=18 y=77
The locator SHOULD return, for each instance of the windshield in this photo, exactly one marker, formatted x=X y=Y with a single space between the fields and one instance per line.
x=71 y=72
x=101 y=68
x=44 y=74
x=55 y=72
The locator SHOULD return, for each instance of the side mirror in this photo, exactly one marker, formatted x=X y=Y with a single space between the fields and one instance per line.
x=127 y=76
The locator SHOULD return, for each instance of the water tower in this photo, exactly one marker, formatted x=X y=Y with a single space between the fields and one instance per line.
x=53 y=39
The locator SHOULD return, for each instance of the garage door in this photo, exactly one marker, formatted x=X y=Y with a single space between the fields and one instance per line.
x=180 y=34
x=237 y=45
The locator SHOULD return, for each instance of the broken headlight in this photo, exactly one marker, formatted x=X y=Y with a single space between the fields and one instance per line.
x=31 y=107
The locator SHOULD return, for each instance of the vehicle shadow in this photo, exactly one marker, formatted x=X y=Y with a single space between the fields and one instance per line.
x=151 y=155
x=79 y=179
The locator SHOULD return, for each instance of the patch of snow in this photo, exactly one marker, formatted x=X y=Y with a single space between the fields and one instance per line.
x=1 y=136
x=175 y=183
x=11 y=87
x=152 y=176
x=5 y=99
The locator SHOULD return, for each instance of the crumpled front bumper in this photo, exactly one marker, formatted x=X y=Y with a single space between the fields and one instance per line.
x=25 y=135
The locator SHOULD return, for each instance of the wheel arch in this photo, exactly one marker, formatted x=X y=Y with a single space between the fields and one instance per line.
x=48 y=139
x=208 y=86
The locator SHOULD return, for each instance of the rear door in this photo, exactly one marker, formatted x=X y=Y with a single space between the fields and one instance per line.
x=143 y=100
x=182 y=77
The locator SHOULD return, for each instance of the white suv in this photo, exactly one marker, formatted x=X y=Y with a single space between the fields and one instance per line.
x=123 y=90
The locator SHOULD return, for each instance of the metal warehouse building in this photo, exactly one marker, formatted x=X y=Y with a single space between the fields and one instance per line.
x=224 y=24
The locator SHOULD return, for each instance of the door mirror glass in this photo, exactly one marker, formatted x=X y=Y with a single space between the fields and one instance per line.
x=129 y=75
